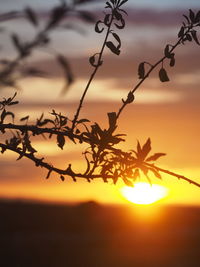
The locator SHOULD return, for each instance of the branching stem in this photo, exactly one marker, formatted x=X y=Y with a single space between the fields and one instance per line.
x=99 y=63
x=173 y=174
x=149 y=72
x=37 y=131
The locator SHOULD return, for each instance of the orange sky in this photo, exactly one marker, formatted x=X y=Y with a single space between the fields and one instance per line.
x=167 y=113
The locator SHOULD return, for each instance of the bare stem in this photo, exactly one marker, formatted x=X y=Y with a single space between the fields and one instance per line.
x=37 y=131
x=99 y=63
x=149 y=72
x=40 y=163
x=173 y=174
x=69 y=172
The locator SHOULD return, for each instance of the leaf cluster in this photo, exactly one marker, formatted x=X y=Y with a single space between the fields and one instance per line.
x=114 y=16
x=103 y=157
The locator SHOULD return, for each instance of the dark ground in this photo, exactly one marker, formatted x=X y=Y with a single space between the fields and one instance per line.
x=38 y=235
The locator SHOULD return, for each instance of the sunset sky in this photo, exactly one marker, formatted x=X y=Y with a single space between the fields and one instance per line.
x=168 y=113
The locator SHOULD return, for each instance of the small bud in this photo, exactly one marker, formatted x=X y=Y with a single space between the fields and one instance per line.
x=130 y=98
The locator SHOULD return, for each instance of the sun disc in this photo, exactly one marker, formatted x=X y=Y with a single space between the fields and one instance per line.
x=144 y=193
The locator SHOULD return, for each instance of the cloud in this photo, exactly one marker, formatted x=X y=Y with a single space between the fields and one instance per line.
x=120 y=73
x=153 y=17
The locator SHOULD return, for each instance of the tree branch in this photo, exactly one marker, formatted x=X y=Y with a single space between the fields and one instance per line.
x=98 y=65
x=37 y=131
x=173 y=174
x=180 y=40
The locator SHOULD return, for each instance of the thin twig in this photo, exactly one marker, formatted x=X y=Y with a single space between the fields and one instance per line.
x=37 y=131
x=149 y=72
x=99 y=63
x=41 y=163
x=173 y=174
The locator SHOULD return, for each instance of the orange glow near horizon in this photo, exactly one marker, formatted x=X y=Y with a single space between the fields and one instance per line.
x=144 y=193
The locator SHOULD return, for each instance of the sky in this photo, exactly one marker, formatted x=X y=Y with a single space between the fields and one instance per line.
x=168 y=113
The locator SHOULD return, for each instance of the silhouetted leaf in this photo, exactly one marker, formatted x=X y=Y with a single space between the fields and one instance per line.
x=97 y=27
x=88 y=164
x=31 y=15
x=10 y=101
x=57 y=14
x=67 y=71
x=130 y=98
x=188 y=37
x=70 y=172
x=24 y=118
x=62 y=178
x=63 y=62
x=107 y=19
x=83 y=120
x=181 y=32
x=163 y=75
x=145 y=170
x=35 y=72
x=3 y=114
x=44 y=122
x=167 y=51
x=6 y=113
x=122 y=3
x=187 y=19
x=9 y=113
x=122 y=24
x=192 y=16
x=92 y=61
x=87 y=16
x=146 y=148
x=139 y=149
x=194 y=35
x=197 y=17
x=156 y=173
x=40 y=119
x=117 y=15
x=22 y=154
x=127 y=182
x=28 y=145
x=118 y=39
x=115 y=180
x=82 y=1
x=3 y=149
x=113 y=48
x=48 y=174
x=13 y=103
x=60 y=140
x=172 y=60
x=141 y=70
x=136 y=174
x=155 y=156
x=17 y=44
x=108 y=5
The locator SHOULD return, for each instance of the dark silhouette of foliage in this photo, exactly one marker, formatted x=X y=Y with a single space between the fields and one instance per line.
x=103 y=159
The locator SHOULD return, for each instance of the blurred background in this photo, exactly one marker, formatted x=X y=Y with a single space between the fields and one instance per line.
x=51 y=223
x=168 y=113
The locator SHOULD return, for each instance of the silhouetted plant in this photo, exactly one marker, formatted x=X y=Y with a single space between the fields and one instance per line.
x=103 y=159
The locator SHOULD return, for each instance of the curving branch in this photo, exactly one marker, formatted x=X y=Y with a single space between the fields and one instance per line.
x=174 y=174
x=39 y=130
x=115 y=15
x=103 y=157
x=186 y=33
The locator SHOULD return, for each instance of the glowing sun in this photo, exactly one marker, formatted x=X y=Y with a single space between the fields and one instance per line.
x=144 y=193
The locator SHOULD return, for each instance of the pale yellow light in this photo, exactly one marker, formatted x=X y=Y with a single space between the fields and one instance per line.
x=144 y=193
